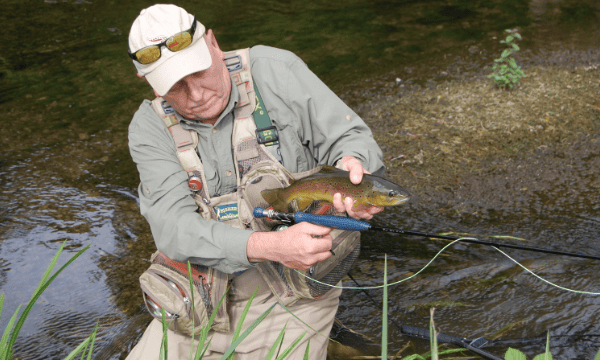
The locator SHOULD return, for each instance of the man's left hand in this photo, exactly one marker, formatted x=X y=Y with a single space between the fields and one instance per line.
x=356 y=169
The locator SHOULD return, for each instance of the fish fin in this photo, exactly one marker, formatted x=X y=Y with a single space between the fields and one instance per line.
x=316 y=205
x=328 y=169
x=303 y=203
x=293 y=206
x=273 y=198
x=323 y=209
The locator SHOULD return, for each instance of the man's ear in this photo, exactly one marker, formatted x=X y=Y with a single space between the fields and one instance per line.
x=143 y=77
x=211 y=41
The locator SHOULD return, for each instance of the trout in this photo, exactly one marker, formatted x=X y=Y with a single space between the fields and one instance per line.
x=320 y=187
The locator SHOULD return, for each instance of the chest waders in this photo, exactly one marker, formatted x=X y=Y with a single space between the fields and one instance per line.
x=256 y=154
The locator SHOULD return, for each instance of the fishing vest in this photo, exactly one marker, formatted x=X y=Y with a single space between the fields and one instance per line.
x=258 y=167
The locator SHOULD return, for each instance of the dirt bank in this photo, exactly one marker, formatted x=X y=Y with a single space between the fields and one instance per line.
x=455 y=135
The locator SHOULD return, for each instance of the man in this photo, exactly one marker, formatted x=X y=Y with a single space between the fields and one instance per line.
x=313 y=127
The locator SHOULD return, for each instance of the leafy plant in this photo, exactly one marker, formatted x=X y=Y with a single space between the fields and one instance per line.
x=513 y=354
x=506 y=71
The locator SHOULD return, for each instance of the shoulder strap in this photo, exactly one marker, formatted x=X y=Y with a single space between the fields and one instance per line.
x=266 y=133
x=184 y=140
x=251 y=103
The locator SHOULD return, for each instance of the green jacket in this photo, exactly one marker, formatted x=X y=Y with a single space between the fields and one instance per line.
x=313 y=128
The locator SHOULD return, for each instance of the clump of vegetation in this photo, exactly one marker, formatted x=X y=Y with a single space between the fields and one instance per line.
x=506 y=71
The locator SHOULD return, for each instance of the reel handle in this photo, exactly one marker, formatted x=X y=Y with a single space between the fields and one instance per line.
x=337 y=222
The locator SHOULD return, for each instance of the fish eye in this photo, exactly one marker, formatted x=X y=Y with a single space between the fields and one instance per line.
x=392 y=193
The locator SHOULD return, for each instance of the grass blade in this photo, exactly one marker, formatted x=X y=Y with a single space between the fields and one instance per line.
x=384 y=329
x=189 y=269
x=204 y=333
x=277 y=344
x=292 y=346
x=252 y=326
x=79 y=348
x=413 y=357
x=306 y=352
x=44 y=283
x=1 y=303
x=89 y=357
x=238 y=328
x=5 y=349
x=89 y=342
x=433 y=336
x=164 y=349
x=547 y=355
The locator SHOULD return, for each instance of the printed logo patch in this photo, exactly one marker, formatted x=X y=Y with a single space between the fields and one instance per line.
x=226 y=212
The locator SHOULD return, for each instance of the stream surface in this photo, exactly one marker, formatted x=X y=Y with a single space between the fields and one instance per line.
x=476 y=290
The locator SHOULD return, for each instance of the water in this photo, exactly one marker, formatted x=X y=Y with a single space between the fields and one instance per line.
x=477 y=290
x=39 y=214
x=65 y=174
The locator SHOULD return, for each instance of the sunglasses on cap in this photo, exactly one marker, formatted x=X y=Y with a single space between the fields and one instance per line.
x=177 y=42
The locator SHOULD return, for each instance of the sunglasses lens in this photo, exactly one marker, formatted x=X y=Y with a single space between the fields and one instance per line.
x=148 y=55
x=179 y=41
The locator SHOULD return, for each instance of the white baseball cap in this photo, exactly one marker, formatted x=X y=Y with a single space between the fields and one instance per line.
x=154 y=25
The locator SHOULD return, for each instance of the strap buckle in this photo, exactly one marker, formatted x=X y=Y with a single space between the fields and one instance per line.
x=167 y=108
x=267 y=135
x=233 y=65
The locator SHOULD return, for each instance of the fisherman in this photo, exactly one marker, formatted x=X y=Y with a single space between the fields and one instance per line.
x=196 y=144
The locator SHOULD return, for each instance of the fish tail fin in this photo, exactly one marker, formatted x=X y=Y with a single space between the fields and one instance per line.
x=273 y=197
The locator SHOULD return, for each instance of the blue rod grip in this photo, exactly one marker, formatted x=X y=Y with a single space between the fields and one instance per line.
x=259 y=212
x=336 y=222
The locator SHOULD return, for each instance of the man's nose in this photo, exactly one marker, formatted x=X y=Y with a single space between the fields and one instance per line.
x=195 y=92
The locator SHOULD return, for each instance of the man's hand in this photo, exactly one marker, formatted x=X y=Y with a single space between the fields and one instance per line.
x=298 y=247
x=356 y=169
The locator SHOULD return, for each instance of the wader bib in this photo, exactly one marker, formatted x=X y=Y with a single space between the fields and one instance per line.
x=256 y=153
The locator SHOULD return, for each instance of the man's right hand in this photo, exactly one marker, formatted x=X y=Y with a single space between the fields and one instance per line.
x=298 y=247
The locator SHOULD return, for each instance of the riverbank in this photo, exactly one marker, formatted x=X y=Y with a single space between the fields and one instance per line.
x=456 y=130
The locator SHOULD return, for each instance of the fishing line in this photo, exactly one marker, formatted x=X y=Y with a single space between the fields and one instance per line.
x=358 y=225
x=438 y=254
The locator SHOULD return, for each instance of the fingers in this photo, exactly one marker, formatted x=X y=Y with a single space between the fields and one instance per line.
x=303 y=245
x=366 y=213
x=355 y=167
x=338 y=203
x=314 y=229
x=347 y=205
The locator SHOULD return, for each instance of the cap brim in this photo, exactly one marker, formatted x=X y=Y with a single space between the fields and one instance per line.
x=194 y=58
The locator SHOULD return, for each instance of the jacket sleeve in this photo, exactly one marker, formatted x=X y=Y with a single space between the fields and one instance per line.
x=166 y=202
x=329 y=126
x=295 y=97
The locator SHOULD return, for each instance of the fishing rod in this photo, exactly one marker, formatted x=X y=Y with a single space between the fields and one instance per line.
x=351 y=224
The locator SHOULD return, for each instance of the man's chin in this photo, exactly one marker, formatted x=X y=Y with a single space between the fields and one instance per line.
x=204 y=114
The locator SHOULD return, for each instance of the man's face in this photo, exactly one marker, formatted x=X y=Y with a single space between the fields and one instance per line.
x=205 y=94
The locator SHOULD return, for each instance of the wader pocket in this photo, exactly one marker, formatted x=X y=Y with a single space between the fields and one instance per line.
x=165 y=285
